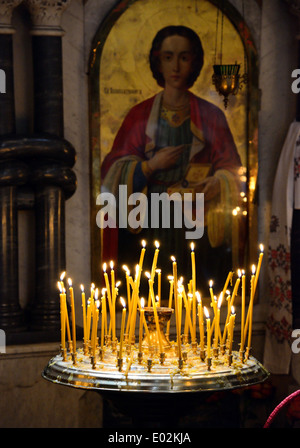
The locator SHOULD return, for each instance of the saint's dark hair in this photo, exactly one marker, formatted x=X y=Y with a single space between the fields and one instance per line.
x=196 y=45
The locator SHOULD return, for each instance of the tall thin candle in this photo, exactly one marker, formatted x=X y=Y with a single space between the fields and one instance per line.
x=208 y=333
x=83 y=312
x=176 y=306
x=122 y=327
x=73 y=314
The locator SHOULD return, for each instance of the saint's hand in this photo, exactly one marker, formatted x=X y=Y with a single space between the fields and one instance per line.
x=165 y=158
x=210 y=187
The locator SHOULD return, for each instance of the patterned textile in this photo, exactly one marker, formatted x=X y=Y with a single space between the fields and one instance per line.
x=277 y=356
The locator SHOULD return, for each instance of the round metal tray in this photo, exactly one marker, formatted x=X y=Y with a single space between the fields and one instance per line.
x=167 y=378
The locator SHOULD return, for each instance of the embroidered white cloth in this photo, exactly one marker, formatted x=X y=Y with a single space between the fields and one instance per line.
x=277 y=353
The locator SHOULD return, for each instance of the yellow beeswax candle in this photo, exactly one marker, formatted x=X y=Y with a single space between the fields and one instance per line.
x=171 y=281
x=158 y=271
x=62 y=318
x=208 y=333
x=231 y=329
x=122 y=327
x=250 y=310
x=243 y=309
x=194 y=290
x=154 y=260
x=217 y=322
x=142 y=312
x=211 y=290
x=113 y=296
x=176 y=306
x=156 y=317
x=83 y=312
x=200 y=318
x=141 y=261
x=103 y=317
x=260 y=258
x=73 y=314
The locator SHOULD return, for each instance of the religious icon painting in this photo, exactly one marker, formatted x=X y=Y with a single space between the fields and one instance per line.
x=168 y=162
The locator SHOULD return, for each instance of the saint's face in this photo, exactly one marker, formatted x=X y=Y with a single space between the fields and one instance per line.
x=176 y=61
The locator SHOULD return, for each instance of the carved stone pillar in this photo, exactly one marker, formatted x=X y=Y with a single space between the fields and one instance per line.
x=12 y=174
x=51 y=173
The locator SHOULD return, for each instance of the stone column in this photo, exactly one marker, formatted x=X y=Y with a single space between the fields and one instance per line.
x=51 y=173
x=12 y=174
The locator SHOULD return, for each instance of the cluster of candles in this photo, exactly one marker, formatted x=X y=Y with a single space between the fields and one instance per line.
x=211 y=340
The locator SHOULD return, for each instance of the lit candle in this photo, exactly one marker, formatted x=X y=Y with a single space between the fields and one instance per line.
x=122 y=327
x=158 y=271
x=231 y=329
x=127 y=273
x=73 y=314
x=103 y=317
x=243 y=310
x=258 y=266
x=141 y=261
x=83 y=312
x=250 y=310
x=194 y=290
x=217 y=323
x=113 y=296
x=200 y=317
x=154 y=260
x=176 y=306
x=107 y=286
x=155 y=314
x=141 y=323
x=96 y=317
x=133 y=312
x=88 y=320
x=171 y=281
x=187 y=313
x=208 y=332
x=211 y=290
x=62 y=318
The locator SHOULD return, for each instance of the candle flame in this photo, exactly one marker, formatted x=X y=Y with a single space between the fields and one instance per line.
x=261 y=247
x=253 y=269
x=243 y=272
x=210 y=283
x=142 y=302
x=92 y=286
x=111 y=264
x=118 y=283
x=123 y=302
x=62 y=276
x=156 y=244
x=147 y=274
x=59 y=286
x=104 y=267
x=198 y=296
x=206 y=312
x=126 y=269
x=144 y=243
x=96 y=294
x=70 y=282
x=239 y=273
x=192 y=246
x=156 y=299
x=103 y=291
x=158 y=271
x=170 y=277
x=82 y=288
x=173 y=258
x=232 y=310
